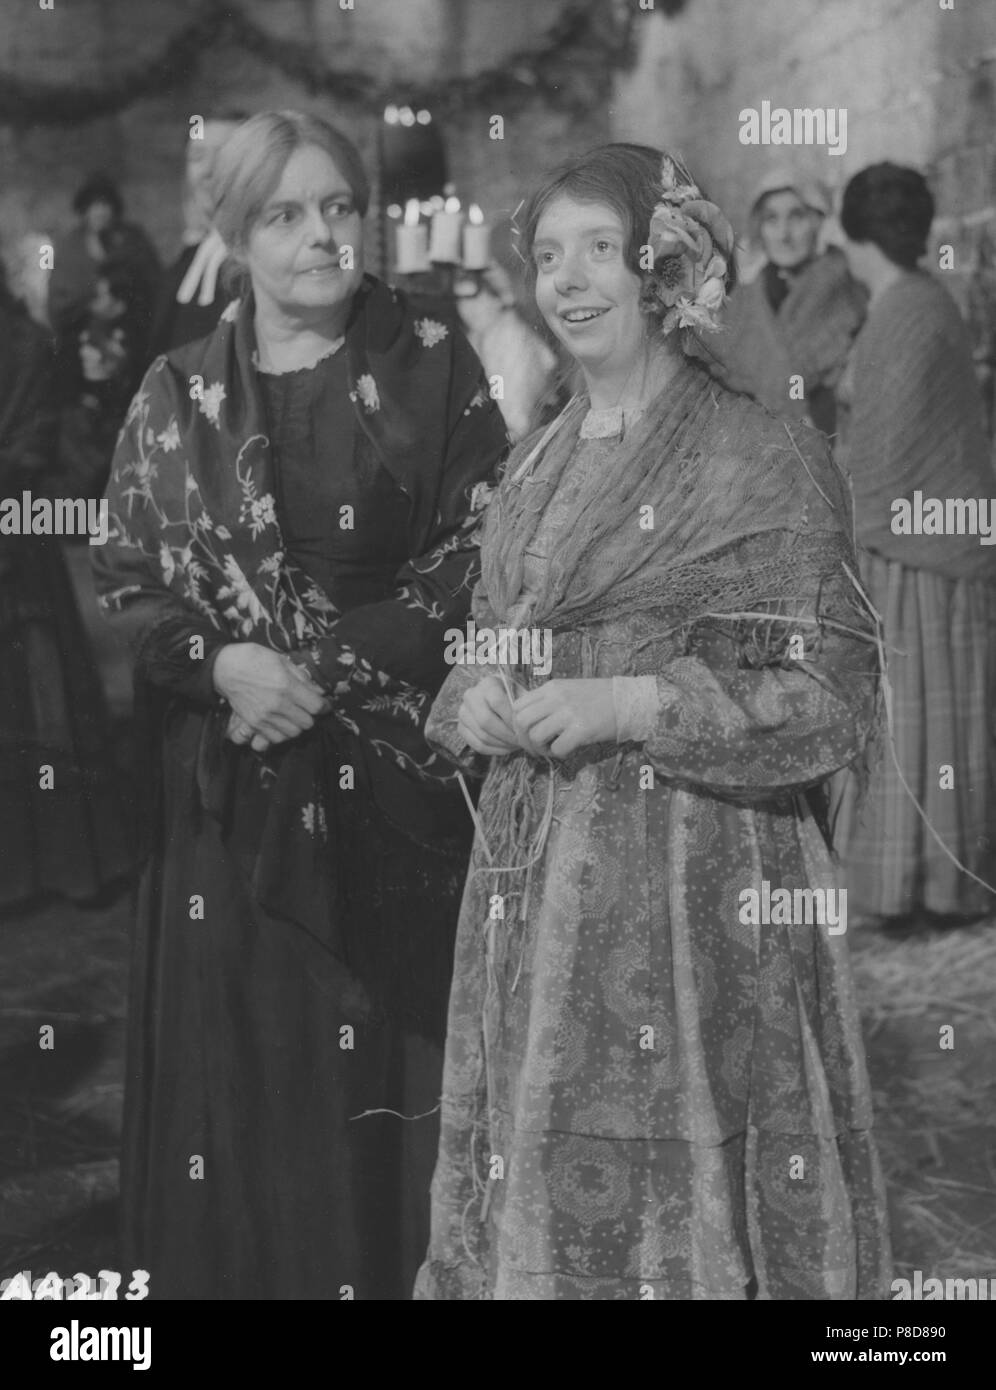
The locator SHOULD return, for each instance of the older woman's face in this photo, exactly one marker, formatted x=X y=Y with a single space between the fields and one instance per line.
x=296 y=249
x=584 y=289
x=788 y=229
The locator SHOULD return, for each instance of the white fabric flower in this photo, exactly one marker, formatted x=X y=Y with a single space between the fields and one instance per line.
x=313 y=817
x=263 y=513
x=210 y=402
x=431 y=332
x=169 y=438
x=366 y=389
x=711 y=294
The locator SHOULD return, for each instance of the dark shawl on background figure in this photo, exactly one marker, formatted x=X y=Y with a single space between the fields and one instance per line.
x=197 y=551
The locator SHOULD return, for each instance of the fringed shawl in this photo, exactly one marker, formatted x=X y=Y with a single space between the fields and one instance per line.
x=713 y=523
x=701 y=471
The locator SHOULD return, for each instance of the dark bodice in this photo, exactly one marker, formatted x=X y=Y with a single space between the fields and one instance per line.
x=323 y=463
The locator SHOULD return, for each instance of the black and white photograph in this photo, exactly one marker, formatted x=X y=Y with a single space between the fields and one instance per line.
x=498 y=663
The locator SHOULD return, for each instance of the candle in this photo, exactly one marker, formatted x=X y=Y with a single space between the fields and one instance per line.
x=476 y=241
x=444 y=243
x=412 y=246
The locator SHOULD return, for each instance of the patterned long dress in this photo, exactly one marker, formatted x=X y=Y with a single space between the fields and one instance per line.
x=644 y=1097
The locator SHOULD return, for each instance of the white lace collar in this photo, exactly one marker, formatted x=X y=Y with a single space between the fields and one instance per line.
x=330 y=351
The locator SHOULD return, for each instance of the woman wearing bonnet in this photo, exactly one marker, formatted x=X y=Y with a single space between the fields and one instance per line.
x=654 y=1088
x=798 y=317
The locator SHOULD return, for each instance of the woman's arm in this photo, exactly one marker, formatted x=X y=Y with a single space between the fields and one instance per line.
x=171 y=644
x=789 y=723
x=174 y=643
x=724 y=716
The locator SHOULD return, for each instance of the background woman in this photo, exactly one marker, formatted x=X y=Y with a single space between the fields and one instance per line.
x=294 y=533
x=103 y=261
x=798 y=317
x=647 y=1092
x=915 y=424
x=70 y=838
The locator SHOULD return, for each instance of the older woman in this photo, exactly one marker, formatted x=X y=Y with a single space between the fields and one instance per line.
x=654 y=1082
x=915 y=443
x=787 y=334
x=293 y=502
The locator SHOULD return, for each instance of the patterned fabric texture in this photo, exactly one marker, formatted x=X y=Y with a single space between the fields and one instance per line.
x=941 y=635
x=643 y=1096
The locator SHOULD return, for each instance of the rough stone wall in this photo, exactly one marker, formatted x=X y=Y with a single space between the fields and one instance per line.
x=917 y=82
x=91 y=41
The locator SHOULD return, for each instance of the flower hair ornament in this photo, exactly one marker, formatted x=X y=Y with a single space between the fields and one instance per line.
x=691 y=242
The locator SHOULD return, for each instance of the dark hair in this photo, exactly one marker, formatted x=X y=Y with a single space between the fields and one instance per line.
x=98 y=188
x=252 y=159
x=626 y=178
x=891 y=206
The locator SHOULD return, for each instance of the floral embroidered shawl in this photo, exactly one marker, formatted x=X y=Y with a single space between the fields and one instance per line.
x=196 y=549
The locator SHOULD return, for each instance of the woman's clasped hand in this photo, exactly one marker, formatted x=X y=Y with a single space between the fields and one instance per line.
x=272 y=698
x=553 y=720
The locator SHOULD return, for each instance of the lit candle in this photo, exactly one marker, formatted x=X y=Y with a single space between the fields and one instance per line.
x=476 y=241
x=444 y=244
x=412 y=246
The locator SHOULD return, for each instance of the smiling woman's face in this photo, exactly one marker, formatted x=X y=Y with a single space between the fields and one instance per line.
x=293 y=249
x=584 y=289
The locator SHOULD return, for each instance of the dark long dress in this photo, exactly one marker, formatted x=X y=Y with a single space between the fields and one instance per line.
x=250 y=1169
x=71 y=838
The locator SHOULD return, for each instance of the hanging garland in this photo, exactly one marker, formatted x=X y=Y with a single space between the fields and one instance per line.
x=568 y=69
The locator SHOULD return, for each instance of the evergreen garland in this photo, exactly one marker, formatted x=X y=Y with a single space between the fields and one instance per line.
x=568 y=69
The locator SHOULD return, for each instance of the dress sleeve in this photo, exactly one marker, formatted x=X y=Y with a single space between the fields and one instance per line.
x=383 y=662
x=740 y=724
x=156 y=625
